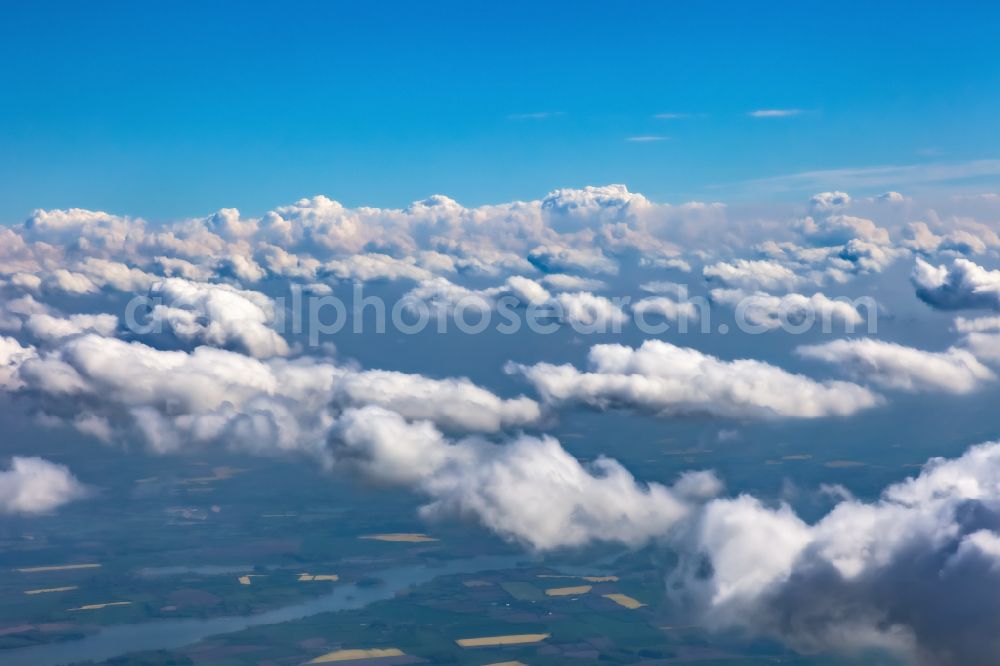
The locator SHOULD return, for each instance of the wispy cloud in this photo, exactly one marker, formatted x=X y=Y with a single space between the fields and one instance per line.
x=647 y=138
x=671 y=116
x=881 y=176
x=537 y=115
x=774 y=113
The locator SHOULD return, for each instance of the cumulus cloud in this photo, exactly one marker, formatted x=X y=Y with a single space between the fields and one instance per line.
x=34 y=485
x=177 y=399
x=914 y=571
x=790 y=311
x=554 y=259
x=963 y=285
x=585 y=311
x=49 y=328
x=840 y=229
x=217 y=314
x=376 y=266
x=564 y=282
x=502 y=486
x=895 y=366
x=12 y=356
x=754 y=274
x=824 y=202
x=665 y=307
x=456 y=404
x=981 y=336
x=667 y=380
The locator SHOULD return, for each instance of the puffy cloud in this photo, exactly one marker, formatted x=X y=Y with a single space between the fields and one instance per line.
x=586 y=311
x=667 y=380
x=671 y=263
x=615 y=199
x=895 y=366
x=865 y=257
x=555 y=259
x=175 y=399
x=12 y=356
x=890 y=197
x=583 y=310
x=753 y=274
x=792 y=310
x=217 y=314
x=665 y=307
x=963 y=285
x=456 y=404
x=955 y=241
x=981 y=336
x=503 y=485
x=828 y=201
x=914 y=572
x=375 y=266
x=35 y=485
x=527 y=290
x=49 y=328
x=564 y=282
x=14 y=311
x=840 y=229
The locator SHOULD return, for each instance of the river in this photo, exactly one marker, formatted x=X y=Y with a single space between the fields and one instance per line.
x=116 y=640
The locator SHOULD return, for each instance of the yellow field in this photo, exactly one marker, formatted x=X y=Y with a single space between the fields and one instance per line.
x=100 y=606
x=567 y=591
x=57 y=567
x=589 y=579
x=348 y=655
x=476 y=583
x=496 y=641
x=624 y=600
x=308 y=577
x=52 y=589
x=399 y=537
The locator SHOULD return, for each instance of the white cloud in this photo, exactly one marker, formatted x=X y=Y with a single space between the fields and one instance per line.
x=456 y=404
x=825 y=202
x=218 y=314
x=35 y=485
x=914 y=572
x=879 y=176
x=840 y=229
x=791 y=311
x=774 y=113
x=564 y=282
x=502 y=486
x=963 y=285
x=174 y=399
x=665 y=307
x=49 y=328
x=895 y=366
x=753 y=274
x=12 y=356
x=667 y=380
x=554 y=259
x=375 y=266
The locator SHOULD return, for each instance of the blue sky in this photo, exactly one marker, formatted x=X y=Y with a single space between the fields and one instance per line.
x=165 y=111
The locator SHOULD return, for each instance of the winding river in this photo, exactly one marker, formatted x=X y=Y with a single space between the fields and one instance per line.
x=116 y=640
